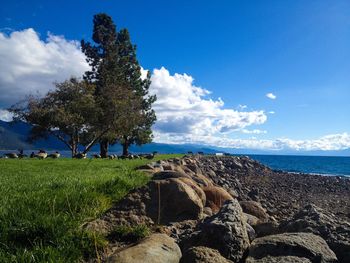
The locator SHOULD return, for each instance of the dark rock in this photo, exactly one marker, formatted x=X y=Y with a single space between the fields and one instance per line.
x=225 y=231
x=320 y=222
x=251 y=232
x=265 y=229
x=303 y=245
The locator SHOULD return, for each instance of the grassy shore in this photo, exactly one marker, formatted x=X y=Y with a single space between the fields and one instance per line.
x=43 y=203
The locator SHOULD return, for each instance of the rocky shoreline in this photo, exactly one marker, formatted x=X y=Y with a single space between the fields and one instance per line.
x=230 y=209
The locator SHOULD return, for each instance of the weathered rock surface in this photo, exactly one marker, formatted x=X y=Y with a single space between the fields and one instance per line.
x=172 y=201
x=195 y=187
x=203 y=255
x=320 y=222
x=225 y=231
x=158 y=248
x=303 y=245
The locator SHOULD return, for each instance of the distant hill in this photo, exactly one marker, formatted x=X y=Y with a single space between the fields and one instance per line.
x=14 y=136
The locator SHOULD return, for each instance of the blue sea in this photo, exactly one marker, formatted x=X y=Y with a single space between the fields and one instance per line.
x=324 y=165
x=333 y=166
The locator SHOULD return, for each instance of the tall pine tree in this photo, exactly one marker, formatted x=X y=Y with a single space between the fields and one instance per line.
x=125 y=105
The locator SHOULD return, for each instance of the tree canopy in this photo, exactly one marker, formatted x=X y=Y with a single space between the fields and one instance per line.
x=69 y=113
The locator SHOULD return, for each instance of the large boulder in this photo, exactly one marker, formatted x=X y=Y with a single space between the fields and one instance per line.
x=173 y=200
x=225 y=231
x=255 y=209
x=158 y=248
x=203 y=255
x=316 y=220
x=195 y=187
x=216 y=197
x=302 y=245
x=158 y=202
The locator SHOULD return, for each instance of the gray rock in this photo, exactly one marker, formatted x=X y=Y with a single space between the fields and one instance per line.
x=303 y=245
x=265 y=229
x=251 y=232
x=316 y=220
x=225 y=231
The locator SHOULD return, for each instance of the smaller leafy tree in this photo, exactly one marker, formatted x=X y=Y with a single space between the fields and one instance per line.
x=68 y=113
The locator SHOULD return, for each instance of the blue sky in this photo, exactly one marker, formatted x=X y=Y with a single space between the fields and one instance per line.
x=238 y=50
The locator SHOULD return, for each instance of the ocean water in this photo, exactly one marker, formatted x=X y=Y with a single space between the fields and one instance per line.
x=290 y=163
x=332 y=165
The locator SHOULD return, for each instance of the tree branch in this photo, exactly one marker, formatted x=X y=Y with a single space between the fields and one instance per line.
x=61 y=138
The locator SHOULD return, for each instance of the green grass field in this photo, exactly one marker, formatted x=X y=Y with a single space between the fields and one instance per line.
x=43 y=203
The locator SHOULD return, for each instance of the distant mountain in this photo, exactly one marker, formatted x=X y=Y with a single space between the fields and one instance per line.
x=14 y=136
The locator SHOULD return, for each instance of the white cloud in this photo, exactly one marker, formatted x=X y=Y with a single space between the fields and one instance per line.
x=242 y=107
x=29 y=65
x=272 y=112
x=255 y=131
x=271 y=96
x=329 y=142
x=5 y=115
x=183 y=108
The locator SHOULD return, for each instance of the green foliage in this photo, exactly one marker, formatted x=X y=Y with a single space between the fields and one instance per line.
x=44 y=202
x=68 y=113
x=137 y=128
x=121 y=92
x=129 y=234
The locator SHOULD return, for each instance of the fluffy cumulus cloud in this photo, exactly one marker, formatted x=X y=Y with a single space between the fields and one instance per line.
x=271 y=96
x=332 y=142
x=183 y=108
x=29 y=65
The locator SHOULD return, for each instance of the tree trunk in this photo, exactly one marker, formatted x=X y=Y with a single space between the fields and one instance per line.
x=125 y=148
x=104 y=148
x=74 y=149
